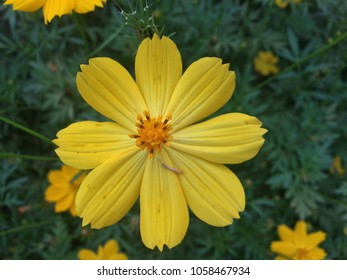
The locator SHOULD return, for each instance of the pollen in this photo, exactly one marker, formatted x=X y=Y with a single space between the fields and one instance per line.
x=152 y=132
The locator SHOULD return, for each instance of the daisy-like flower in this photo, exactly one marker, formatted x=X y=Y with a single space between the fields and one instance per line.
x=297 y=244
x=63 y=187
x=153 y=149
x=52 y=8
x=108 y=252
x=336 y=166
x=266 y=63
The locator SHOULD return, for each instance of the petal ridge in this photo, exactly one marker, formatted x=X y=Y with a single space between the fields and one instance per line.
x=110 y=190
x=86 y=144
x=230 y=138
x=204 y=87
x=158 y=67
x=109 y=88
x=163 y=208
x=213 y=192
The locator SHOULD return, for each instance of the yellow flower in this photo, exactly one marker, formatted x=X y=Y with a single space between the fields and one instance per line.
x=108 y=252
x=284 y=3
x=265 y=63
x=63 y=187
x=52 y=8
x=153 y=149
x=297 y=244
x=281 y=3
x=337 y=166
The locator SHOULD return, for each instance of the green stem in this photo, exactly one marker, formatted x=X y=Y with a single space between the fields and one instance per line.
x=107 y=41
x=306 y=58
x=334 y=200
x=141 y=7
x=12 y=155
x=26 y=129
x=25 y=227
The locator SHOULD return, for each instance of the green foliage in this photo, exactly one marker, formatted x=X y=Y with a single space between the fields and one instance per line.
x=303 y=107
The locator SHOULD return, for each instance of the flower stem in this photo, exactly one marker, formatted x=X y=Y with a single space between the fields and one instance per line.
x=26 y=129
x=25 y=227
x=306 y=58
x=12 y=155
x=336 y=201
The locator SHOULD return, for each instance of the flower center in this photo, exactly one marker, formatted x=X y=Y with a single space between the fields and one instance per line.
x=152 y=132
x=302 y=254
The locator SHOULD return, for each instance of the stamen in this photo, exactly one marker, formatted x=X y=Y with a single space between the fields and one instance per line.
x=152 y=132
x=134 y=136
x=146 y=113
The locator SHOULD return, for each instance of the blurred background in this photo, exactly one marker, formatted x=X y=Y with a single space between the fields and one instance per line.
x=299 y=173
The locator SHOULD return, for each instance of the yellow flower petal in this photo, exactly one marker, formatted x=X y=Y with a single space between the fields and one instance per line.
x=300 y=234
x=111 y=247
x=314 y=239
x=283 y=248
x=85 y=6
x=265 y=63
x=110 y=251
x=158 y=68
x=56 y=177
x=69 y=172
x=281 y=3
x=337 y=166
x=111 y=189
x=316 y=254
x=285 y=233
x=26 y=5
x=73 y=210
x=118 y=256
x=107 y=252
x=65 y=202
x=54 y=8
x=85 y=145
x=78 y=179
x=164 y=213
x=86 y=254
x=229 y=138
x=100 y=252
x=109 y=88
x=213 y=192
x=54 y=193
x=205 y=86
x=281 y=258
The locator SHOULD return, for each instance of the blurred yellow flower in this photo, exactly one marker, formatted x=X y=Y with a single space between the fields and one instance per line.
x=63 y=187
x=108 y=252
x=153 y=149
x=284 y=3
x=52 y=8
x=336 y=166
x=297 y=244
x=265 y=63
x=281 y=3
